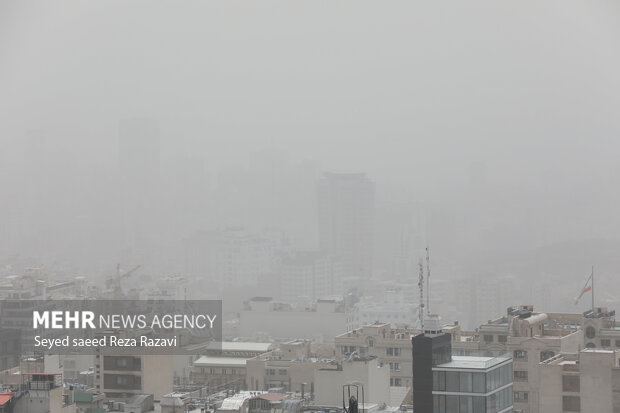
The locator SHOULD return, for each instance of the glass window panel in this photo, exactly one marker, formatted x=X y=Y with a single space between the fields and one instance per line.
x=436 y=403
x=492 y=403
x=479 y=383
x=466 y=404
x=571 y=403
x=440 y=383
x=452 y=404
x=570 y=383
x=479 y=404
x=452 y=381
x=465 y=384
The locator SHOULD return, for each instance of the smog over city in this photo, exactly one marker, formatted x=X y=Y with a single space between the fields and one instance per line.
x=328 y=182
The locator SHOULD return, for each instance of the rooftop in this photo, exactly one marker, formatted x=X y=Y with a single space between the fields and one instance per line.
x=240 y=346
x=474 y=362
x=220 y=361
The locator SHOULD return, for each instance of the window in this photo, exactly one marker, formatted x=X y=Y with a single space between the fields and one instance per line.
x=520 y=375
x=605 y=342
x=122 y=380
x=439 y=380
x=479 y=404
x=493 y=380
x=520 y=396
x=395 y=366
x=233 y=372
x=617 y=343
x=571 y=403
x=547 y=354
x=590 y=332
x=520 y=355
x=466 y=404
x=452 y=381
x=396 y=381
x=488 y=338
x=465 y=382
x=121 y=362
x=570 y=383
x=479 y=382
x=502 y=339
x=393 y=351
x=282 y=372
x=271 y=372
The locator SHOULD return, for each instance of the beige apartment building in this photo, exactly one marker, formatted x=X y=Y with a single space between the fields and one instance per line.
x=120 y=377
x=391 y=347
x=224 y=366
x=585 y=382
x=290 y=368
x=531 y=338
x=219 y=373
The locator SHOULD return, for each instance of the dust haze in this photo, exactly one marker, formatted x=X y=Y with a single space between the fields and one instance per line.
x=153 y=132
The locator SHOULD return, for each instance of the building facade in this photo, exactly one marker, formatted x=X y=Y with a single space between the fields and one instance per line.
x=346 y=205
x=585 y=382
x=446 y=383
x=310 y=274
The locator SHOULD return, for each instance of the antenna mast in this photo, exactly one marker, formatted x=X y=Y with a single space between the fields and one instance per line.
x=592 y=287
x=428 y=281
x=421 y=287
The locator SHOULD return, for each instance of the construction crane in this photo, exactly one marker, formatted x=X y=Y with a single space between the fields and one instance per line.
x=115 y=282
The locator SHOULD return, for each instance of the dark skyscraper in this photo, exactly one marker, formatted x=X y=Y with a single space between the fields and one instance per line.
x=346 y=220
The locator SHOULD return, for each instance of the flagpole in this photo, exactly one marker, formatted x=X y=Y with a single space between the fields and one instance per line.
x=592 y=287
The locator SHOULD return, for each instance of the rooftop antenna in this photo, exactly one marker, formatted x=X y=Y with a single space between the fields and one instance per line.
x=421 y=287
x=592 y=288
x=428 y=281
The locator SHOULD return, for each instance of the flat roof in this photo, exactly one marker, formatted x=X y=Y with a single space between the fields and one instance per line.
x=240 y=346
x=220 y=361
x=473 y=362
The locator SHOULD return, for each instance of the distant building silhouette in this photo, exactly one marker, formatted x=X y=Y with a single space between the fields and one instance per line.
x=139 y=162
x=346 y=220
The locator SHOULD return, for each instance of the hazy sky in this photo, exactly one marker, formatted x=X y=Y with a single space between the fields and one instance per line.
x=414 y=93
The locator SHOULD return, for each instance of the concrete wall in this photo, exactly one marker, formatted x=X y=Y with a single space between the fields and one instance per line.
x=157 y=375
x=596 y=368
x=376 y=381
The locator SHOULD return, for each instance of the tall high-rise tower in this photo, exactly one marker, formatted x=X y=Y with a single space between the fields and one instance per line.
x=346 y=220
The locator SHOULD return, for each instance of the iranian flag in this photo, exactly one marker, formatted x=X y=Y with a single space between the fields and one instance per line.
x=585 y=289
